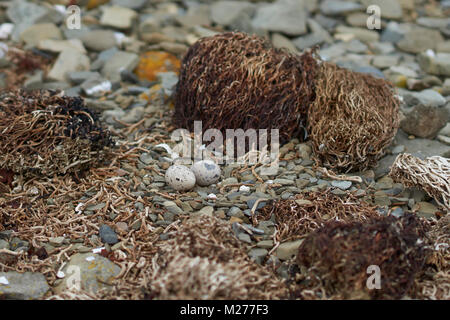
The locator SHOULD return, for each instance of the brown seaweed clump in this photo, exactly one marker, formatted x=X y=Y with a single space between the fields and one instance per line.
x=233 y=80
x=338 y=259
x=203 y=260
x=19 y=63
x=296 y=218
x=431 y=174
x=353 y=119
x=435 y=282
x=46 y=133
x=236 y=81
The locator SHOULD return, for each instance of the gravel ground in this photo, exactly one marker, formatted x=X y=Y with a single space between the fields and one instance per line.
x=113 y=222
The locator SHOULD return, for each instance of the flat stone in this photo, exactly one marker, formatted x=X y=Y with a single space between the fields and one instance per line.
x=362 y=34
x=427 y=97
x=438 y=64
x=25 y=14
x=338 y=7
x=61 y=45
x=226 y=13
x=107 y=234
x=68 y=61
x=285 y=16
x=172 y=207
x=425 y=121
x=78 y=77
x=258 y=255
x=89 y=272
x=42 y=31
x=390 y=9
x=196 y=15
x=121 y=60
x=118 y=17
x=99 y=40
x=318 y=35
x=22 y=286
x=287 y=250
x=343 y=185
x=280 y=41
x=131 y=4
x=420 y=39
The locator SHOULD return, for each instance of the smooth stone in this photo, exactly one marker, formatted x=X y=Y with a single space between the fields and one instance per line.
x=287 y=250
x=42 y=31
x=280 y=41
x=23 y=286
x=244 y=237
x=339 y=7
x=99 y=40
x=172 y=207
x=419 y=39
x=364 y=35
x=131 y=4
x=425 y=121
x=121 y=60
x=61 y=45
x=25 y=14
x=107 y=234
x=68 y=61
x=438 y=64
x=390 y=9
x=226 y=13
x=285 y=16
x=258 y=255
x=78 y=77
x=427 y=97
x=343 y=185
x=118 y=17
x=95 y=272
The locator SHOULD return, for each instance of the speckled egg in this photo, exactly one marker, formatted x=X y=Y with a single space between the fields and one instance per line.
x=179 y=177
x=206 y=172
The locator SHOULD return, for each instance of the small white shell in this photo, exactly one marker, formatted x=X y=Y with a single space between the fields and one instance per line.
x=180 y=177
x=206 y=172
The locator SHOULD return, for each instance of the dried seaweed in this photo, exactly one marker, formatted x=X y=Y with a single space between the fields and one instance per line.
x=22 y=63
x=203 y=260
x=431 y=175
x=335 y=258
x=233 y=80
x=46 y=133
x=352 y=120
x=309 y=211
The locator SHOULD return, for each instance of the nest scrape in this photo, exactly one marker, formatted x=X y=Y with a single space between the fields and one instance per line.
x=204 y=260
x=232 y=81
x=46 y=133
x=337 y=256
x=308 y=212
x=352 y=120
x=431 y=175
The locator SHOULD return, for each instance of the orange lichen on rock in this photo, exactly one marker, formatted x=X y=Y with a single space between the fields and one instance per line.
x=154 y=62
x=95 y=3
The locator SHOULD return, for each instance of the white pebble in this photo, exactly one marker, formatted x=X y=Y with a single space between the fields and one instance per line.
x=180 y=177
x=206 y=172
x=244 y=189
x=4 y=281
x=60 y=274
x=212 y=196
